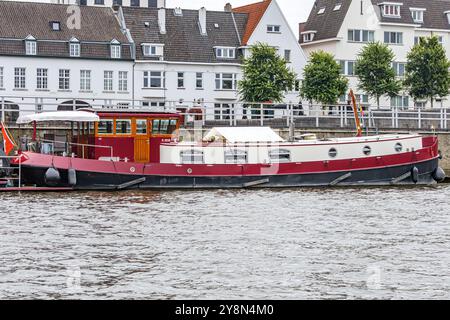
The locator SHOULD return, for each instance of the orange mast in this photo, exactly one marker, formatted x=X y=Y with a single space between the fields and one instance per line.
x=355 y=111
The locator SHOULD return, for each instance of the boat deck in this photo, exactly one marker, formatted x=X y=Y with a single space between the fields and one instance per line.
x=34 y=189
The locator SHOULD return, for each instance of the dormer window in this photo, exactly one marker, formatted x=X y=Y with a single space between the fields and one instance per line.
x=30 y=46
x=391 y=9
x=417 y=14
x=152 y=50
x=321 y=11
x=74 y=47
x=447 y=13
x=116 y=49
x=55 y=25
x=225 y=52
x=308 y=36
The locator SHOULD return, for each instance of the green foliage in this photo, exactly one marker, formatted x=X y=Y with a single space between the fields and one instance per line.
x=427 y=70
x=266 y=75
x=322 y=81
x=375 y=73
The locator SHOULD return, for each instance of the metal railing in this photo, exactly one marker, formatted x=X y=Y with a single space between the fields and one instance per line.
x=241 y=114
x=39 y=146
x=10 y=169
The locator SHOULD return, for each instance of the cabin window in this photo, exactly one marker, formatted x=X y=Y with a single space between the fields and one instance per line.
x=192 y=157
x=367 y=150
x=164 y=126
x=105 y=127
x=141 y=126
x=235 y=156
x=399 y=147
x=332 y=153
x=123 y=126
x=280 y=155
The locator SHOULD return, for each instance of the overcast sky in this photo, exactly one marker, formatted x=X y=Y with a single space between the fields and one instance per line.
x=296 y=11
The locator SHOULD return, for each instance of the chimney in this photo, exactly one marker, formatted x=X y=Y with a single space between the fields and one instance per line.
x=202 y=21
x=228 y=7
x=162 y=20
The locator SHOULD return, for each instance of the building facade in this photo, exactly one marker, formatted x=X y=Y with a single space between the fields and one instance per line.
x=344 y=27
x=104 y=54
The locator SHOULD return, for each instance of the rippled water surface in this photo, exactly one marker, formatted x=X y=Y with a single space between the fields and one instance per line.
x=377 y=243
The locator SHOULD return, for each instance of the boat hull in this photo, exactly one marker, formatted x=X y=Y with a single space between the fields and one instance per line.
x=420 y=173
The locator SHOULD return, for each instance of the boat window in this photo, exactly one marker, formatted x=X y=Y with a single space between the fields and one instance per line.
x=155 y=126
x=105 y=127
x=164 y=127
x=332 y=153
x=398 y=147
x=236 y=156
x=141 y=126
x=192 y=157
x=172 y=126
x=367 y=150
x=280 y=155
x=123 y=126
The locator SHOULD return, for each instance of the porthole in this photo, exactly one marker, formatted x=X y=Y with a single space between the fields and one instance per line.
x=332 y=153
x=398 y=147
x=367 y=150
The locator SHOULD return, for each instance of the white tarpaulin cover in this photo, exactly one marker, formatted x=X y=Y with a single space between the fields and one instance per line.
x=72 y=116
x=243 y=134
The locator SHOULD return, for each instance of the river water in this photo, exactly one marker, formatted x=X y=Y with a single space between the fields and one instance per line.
x=371 y=243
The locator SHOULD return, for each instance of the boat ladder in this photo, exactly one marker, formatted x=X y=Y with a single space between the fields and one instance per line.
x=10 y=176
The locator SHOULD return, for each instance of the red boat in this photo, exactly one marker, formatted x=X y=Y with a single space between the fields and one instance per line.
x=141 y=150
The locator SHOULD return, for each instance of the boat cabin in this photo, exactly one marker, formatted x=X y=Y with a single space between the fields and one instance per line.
x=111 y=136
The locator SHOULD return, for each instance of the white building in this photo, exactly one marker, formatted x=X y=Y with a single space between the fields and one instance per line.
x=343 y=27
x=60 y=57
x=182 y=58
x=193 y=57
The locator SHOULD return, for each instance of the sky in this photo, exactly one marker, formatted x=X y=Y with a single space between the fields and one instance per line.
x=296 y=11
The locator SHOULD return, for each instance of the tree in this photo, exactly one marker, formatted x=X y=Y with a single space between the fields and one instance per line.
x=427 y=70
x=322 y=79
x=266 y=75
x=375 y=72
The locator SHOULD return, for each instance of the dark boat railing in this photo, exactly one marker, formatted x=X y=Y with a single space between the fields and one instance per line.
x=7 y=171
x=46 y=146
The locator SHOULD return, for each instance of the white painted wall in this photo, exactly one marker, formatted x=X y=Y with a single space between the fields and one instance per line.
x=285 y=40
x=31 y=64
x=369 y=20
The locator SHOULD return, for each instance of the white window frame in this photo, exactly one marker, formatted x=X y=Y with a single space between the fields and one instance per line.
x=278 y=156
x=19 y=78
x=149 y=50
x=180 y=77
x=123 y=81
x=395 y=100
x=30 y=47
x=308 y=37
x=236 y=157
x=85 y=80
x=273 y=28
x=2 y=83
x=360 y=34
x=192 y=157
x=108 y=81
x=150 y=75
x=288 y=55
x=345 y=67
x=42 y=78
x=74 y=49
x=398 y=36
x=220 y=80
x=337 y=7
x=64 y=79
x=399 y=66
x=199 y=79
x=225 y=52
x=417 y=14
x=321 y=11
x=116 y=51
x=391 y=10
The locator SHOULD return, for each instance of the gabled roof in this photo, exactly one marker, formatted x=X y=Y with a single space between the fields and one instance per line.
x=434 y=17
x=183 y=41
x=19 y=19
x=328 y=24
x=255 y=13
